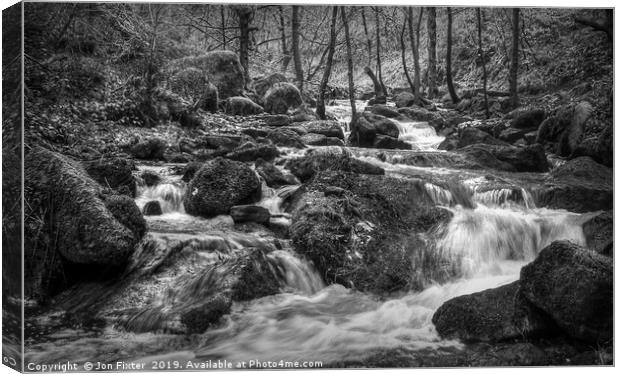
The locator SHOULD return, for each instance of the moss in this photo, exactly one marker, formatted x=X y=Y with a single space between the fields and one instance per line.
x=282 y=97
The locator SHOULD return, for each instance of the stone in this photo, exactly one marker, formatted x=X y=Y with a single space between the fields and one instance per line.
x=152 y=208
x=281 y=97
x=242 y=106
x=249 y=213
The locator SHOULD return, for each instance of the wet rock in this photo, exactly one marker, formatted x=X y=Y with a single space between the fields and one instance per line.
x=249 y=213
x=605 y=147
x=152 y=208
x=383 y=110
x=190 y=170
x=222 y=68
x=94 y=233
x=282 y=97
x=255 y=133
x=262 y=85
x=511 y=135
x=416 y=113
x=115 y=173
x=150 y=178
x=277 y=120
x=584 y=168
x=178 y=158
x=149 y=149
x=321 y=140
x=574 y=286
x=198 y=318
x=285 y=138
x=219 y=185
x=332 y=158
x=221 y=141
x=272 y=175
x=242 y=106
x=492 y=315
x=404 y=99
x=599 y=233
x=528 y=119
x=563 y=130
x=324 y=127
x=363 y=133
x=303 y=114
x=251 y=151
x=125 y=210
x=363 y=231
x=388 y=142
x=472 y=135
x=509 y=158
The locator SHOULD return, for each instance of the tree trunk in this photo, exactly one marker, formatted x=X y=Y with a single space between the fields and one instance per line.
x=349 y=64
x=455 y=98
x=299 y=73
x=379 y=93
x=403 y=55
x=415 y=43
x=379 y=73
x=368 y=40
x=514 y=63
x=223 y=25
x=320 y=105
x=481 y=54
x=245 y=16
x=287 y=57
x=431 y=26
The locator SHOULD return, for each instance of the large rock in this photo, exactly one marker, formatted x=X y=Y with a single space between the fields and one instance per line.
x=492 y=315
x=574 y=286
x=321 y=140
x=404 y=99
x=219 y=185
x=528 y=119
x=242 y=106
x=80 y=226
x=472 y=135
x=584 y=168
x=329 y=158
x=249 y=213
x=522 y=159
x=564 y=130
x=284 y=137
x=363 y=132
x=273 y=176
x=149 y=149
x=599 y=233
x=277 y=120
x=192 y=84
x=251 y=151
x=262 y=85
x=324 y=127
x=383 y=110
x=388 y=142
x=222 y=68
x=152 y=208
x=282 y=97
x=361 y=230
x=115 y=173
x=605 y=147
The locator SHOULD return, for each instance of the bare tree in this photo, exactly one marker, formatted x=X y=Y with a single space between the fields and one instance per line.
x=223 y=25
x=285 y=52
x=320 y=105
x=453 y=96
x=245 y=15
x=431 y=26
x=482 y=58
x=378 y=47
x=403 y=54
x=368 y=40
x=415 y=43
x=349 y=63
x=514 y=63
x=299 y=73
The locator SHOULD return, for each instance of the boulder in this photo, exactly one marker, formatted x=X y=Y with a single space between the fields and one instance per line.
x=324 y=127
x=574 y=286
x=222 y=68
x=404 y=99
x=285 y=138
x=363 y=132
x=383 y=110
x=471 y=135
x=96 y=229
x=528 y=119
x=365 y=236
x=491 y=315
x=522 y=159
x=149 y=149
x=189 y=83
x=282 y=97
x=262 y=85
x=605 y=147
x=219 y=185
x=152 y=208
x=303 y=114
x=599 y=233
x=251 y=151
x=277 y=120
x=115 y=173
x=416 y=113
x=511 y=135
x=190 y=170
x=584 y=168
x=242 y=106
x=321 y=140
x=329 y=158
x=273 y=176
x=210 y=98
x=249 y=213
x=150 y=178
x=198 y=318
x=564 y=130
x=388 y=142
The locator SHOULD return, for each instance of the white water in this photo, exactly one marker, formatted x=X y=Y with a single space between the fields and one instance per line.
x=420 y=135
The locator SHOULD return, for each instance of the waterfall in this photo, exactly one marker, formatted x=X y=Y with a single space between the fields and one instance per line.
x=300 y=274
x=169 y=195
x=420 y=135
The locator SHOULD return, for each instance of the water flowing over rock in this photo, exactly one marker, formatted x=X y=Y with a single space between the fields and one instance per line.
x=574 y=286
x=219 y=185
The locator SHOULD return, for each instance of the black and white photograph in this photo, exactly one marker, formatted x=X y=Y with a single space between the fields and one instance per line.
x=298 y=186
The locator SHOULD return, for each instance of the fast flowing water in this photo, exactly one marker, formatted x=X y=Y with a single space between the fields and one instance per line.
x=492 y=234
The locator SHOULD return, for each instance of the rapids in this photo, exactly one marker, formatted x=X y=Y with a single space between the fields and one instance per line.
x=492 y=234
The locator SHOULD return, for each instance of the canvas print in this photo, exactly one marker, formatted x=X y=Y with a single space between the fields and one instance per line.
x=302 y=186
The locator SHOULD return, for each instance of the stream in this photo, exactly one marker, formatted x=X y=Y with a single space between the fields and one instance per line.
x=309 y=321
